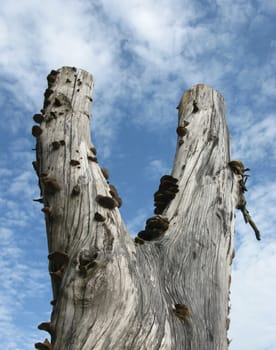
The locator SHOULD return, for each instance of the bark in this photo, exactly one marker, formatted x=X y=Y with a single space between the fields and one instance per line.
x=167 y=289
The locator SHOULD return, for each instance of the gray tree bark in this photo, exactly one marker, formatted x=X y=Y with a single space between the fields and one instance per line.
x=168 y=288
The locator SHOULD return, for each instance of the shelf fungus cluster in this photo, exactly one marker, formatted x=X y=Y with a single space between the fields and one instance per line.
x=167 y=191
x=238 y=168
x=155 y=228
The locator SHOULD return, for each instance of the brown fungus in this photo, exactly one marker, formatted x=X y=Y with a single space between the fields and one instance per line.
x=99 y=217
x=139 y=240
x=55 y=145
x=74 y=162
x=38 y=118
x=58 y=258
x=36 y=131
x=157 y=222
x=46 y=345
x=51 y=185
x=106 y=202
x=105 y=173
x=168 y=178
x=237 y=167
x=57 y=275
x=181 y=131
x=114 y=193
x=93 y=150
x=48 y=92
x=76 y=190
x=227 y=323
x=46 y=326
x=92 y=159
x=46 y=210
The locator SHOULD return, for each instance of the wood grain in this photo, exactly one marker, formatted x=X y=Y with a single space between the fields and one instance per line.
x=171 y=292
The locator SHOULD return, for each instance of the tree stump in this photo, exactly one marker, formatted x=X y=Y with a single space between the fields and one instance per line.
x=169 y=287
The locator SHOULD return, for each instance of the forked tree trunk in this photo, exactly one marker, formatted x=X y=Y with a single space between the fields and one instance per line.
x=168 y=289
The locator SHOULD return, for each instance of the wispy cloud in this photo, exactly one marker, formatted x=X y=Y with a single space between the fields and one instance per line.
x=253 y=278
x=143 y=55
x=156 y=168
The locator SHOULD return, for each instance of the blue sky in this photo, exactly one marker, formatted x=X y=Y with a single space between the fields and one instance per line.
x=143 y=56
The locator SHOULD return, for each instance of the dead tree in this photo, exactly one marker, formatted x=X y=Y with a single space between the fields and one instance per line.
x=169 y=287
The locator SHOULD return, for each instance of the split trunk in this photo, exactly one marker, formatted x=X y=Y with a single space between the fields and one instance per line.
x=166 y=289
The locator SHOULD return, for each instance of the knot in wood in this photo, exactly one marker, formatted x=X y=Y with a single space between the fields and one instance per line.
x=87 y=259
x=76 y=190
x=182 y=311
x=195 y=107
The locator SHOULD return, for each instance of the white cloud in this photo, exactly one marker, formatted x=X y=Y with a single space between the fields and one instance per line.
x=254 y=274
x=156 y=168
x=143 y=55
x=137 y=223
x=20 y=280
x=256 y=139
x=253 y=297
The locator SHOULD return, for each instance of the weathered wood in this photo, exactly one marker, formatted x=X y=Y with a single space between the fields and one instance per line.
x=169 y=291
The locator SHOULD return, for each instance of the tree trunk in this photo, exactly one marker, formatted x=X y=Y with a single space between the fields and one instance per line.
x=168 y=288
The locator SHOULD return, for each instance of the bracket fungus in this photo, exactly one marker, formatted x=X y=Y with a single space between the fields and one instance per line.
x=181 y=131
x=36 y=131
x=74 y=162
x=105 y=173
x=38 y=118
x=55 y=145
x=99 y=217
x=155 y=228
x=46 y=345
x=114 y=193
x=166 y=192
x=46 y=326
x=106 y=202
x=51 y=185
